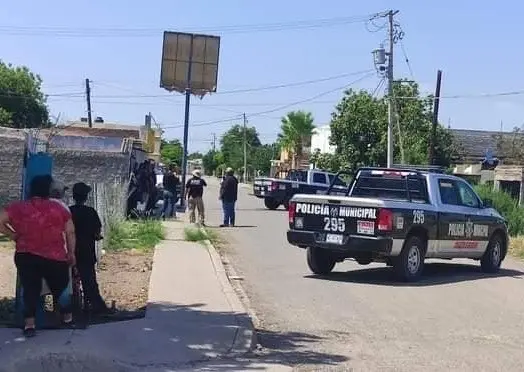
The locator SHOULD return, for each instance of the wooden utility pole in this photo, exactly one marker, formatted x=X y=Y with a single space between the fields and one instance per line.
x=214 y=142
x=391 y=114
x=433 y=139
x=88 y=99
x=245 y=148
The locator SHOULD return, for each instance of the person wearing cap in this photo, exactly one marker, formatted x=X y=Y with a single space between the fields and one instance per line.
x=88 y=229
x=194 y=192
x=228 y=195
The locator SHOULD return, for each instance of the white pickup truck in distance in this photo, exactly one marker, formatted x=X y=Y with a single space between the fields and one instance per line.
x=399 y=216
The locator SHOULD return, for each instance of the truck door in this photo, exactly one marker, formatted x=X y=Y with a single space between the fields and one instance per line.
x=319 y=182
x=452 y=221
x=477 y=225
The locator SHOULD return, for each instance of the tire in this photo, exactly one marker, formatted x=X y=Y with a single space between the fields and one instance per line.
x=286 y=205
x=271 y=203
x=408 y=266
x=492 y=258
x=320 y=261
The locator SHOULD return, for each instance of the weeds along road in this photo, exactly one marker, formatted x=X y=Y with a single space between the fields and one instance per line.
x=456 y=318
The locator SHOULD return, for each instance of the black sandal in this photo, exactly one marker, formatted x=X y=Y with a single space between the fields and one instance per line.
x=29 y=332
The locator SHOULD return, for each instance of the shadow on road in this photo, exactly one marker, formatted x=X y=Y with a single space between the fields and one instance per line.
x=295 y=348
x=210 y=329
x=434 y=274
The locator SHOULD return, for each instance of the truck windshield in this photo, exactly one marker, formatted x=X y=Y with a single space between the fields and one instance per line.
x=390 y=185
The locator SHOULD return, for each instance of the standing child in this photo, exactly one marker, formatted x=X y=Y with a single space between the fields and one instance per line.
x=88 y=229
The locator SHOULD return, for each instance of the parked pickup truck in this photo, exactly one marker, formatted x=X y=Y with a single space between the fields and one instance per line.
x=278 y=191
x=401 y=217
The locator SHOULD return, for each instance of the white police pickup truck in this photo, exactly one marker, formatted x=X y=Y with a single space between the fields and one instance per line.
x=399 y=216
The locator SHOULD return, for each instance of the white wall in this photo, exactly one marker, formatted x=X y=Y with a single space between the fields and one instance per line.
x=320 y=140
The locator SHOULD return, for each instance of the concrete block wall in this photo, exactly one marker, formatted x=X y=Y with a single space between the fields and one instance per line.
x=11 y=166
x=69 y=166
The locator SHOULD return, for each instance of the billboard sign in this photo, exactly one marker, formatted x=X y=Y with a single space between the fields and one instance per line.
x=190 y=61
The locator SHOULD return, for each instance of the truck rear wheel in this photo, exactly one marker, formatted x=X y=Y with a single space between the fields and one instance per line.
x=320 y=261
x=271 y=203
x=409 y=264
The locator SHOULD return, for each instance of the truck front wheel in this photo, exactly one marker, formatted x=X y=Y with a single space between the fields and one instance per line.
x=320 y=261
x=271 y=203
x=490 y=262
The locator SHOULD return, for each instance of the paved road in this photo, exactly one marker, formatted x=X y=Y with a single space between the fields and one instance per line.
x=454 y=319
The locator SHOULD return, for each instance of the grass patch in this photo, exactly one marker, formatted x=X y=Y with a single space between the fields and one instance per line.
x=192 y=234
x=516 y=246
x=139 y=235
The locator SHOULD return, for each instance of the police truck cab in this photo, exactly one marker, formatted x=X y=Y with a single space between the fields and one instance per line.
x=400 y=216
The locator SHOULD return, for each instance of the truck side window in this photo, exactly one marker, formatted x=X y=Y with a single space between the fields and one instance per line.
x=467 y=195
x=448 y=192
x=338 y=181
x=319 y=178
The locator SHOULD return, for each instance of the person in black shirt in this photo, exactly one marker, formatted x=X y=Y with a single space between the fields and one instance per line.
x=171 y=183
x=194 y=192
x=87 y=230
x=228 y=195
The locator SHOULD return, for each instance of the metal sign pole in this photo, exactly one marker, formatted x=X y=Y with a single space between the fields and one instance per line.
x=186 y=127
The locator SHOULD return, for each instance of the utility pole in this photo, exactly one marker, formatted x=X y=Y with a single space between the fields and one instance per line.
x=88 y=99
x=391 y=114
x=214 y=142
x=245 y=148
x=434 y=124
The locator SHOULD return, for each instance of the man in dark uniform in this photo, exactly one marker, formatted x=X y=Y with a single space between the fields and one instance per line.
x=228 y=195
x=194 y=192
x=87 y=230
x=171 y=182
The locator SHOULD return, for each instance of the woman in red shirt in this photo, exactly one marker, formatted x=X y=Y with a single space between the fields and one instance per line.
x=38 y=226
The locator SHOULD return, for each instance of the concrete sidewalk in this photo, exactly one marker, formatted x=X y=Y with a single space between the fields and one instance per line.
x=193 y=318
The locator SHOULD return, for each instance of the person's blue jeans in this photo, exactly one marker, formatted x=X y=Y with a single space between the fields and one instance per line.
x=229 y=212
x=169 y=209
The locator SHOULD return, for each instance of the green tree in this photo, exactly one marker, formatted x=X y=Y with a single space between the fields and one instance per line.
x=211 y=161
x=171 y=152
x=22 y=102
x=359 y=129
x=327 y=162
x=296 y=130
x=195 y=155
x=232 y=146
x=261 y=157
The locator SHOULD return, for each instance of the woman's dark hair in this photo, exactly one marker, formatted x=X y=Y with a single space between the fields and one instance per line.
x=40 y=186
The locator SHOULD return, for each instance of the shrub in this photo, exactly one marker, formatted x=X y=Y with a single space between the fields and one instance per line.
x=506 y=206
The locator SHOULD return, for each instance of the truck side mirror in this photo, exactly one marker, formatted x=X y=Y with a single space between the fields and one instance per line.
x=487 y=203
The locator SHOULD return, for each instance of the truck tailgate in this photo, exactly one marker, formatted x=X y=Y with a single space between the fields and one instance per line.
x=334 y=217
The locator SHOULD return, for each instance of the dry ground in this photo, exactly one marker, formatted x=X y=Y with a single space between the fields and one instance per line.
x=123 y=278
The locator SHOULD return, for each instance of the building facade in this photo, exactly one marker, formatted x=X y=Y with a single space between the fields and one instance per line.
x=320 y=140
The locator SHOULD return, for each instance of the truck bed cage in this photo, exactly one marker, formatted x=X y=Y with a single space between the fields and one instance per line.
x=417 y=172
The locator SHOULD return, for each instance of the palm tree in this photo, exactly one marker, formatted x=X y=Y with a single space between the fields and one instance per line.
x=296 y=130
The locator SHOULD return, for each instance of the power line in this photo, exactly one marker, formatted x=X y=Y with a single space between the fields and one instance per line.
x=406 y=59
x=246 y=90
x=312 y=98
x=148 y=32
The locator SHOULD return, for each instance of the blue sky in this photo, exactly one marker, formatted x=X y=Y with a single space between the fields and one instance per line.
x=477 y=47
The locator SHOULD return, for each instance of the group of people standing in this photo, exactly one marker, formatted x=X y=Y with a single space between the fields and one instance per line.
x=228 y=195
x=50 y=240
